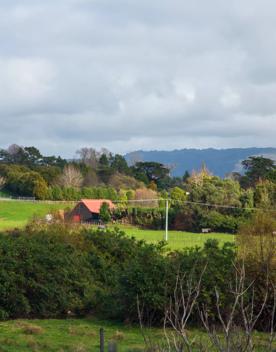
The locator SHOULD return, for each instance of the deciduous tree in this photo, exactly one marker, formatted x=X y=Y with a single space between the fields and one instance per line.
x=71 y=177
x=2 y=182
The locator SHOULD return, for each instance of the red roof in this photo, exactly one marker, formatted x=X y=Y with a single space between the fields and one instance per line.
x=94 y=205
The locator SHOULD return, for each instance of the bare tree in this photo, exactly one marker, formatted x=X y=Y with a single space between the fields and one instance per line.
x=232 y=329
x=2 y=182
x=71 y=177
x=134 y=158
x=177 y=314
x=105 y=151
x=13 y=149
x=89 y=156
x=181 y=306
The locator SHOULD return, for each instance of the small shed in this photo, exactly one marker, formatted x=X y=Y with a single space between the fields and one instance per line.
x=88 y=210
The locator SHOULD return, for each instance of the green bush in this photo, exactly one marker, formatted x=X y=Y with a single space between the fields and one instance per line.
x=41 y=276
x=219 y=222
x=71 y=193
x=105 y=215
x=153 y=218
x=47 y=271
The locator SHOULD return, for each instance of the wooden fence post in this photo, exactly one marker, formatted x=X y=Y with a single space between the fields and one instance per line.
x=101 y=340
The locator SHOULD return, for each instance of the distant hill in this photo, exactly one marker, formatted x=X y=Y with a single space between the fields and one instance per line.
x=218 y=161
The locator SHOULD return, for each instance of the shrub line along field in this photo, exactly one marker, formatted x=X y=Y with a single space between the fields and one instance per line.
x=18 y=213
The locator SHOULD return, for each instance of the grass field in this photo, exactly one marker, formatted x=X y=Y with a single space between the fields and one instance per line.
x=70 y=335
x=17 y=214
x=82 y=335
x=177 y=239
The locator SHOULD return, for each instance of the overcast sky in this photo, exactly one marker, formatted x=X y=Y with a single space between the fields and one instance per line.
x=137 y=74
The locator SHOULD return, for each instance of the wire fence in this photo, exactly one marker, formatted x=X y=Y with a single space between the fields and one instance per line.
x=34 y=200
x=135 y=202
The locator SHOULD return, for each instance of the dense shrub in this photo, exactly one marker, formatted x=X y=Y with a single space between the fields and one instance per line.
x=219 y=222
x=152 y=218
x=41 y=276
x=26 y=183
x=48 y=270
x=216 y=265
x=194 y=218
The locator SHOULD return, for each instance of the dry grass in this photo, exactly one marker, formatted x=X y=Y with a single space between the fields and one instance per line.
x=79 y=348
x=118 y=336
x=29 y=329
x=81 y=331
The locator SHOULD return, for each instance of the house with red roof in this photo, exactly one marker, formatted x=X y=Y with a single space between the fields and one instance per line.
x=88 y=210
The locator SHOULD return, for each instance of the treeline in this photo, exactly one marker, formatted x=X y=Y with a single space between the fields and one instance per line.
x=24 y=171
x=207 y=201
x=47 y=271
x=198 y=200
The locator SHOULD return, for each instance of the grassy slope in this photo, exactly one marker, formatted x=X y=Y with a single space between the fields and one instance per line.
x=16 y=214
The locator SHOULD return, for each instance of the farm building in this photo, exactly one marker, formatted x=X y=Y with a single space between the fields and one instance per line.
x=88 y=210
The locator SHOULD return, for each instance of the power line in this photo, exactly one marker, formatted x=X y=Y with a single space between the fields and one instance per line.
x=144 y=201
x=166 y=237
x=193 y=202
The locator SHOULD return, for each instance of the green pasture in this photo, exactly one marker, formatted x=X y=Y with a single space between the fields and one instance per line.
x=18 y=213
x=70 y=335
x=176 y=239
x=82 y=335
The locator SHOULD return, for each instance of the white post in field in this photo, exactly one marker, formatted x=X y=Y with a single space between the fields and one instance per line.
x=167 y=221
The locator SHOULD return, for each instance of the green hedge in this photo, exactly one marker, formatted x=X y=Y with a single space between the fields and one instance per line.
x=70 y=193
x=48 y=271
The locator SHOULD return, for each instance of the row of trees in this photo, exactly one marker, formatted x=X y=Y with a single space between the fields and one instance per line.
x=198 y=200
x=25 y=171
x=207 y=201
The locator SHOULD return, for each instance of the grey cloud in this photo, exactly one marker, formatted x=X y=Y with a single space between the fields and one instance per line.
x=131 y=75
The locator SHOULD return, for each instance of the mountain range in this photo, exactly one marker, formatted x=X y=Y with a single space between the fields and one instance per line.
x=218 y=161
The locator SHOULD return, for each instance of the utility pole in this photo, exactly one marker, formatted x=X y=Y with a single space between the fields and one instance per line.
x=167 y=221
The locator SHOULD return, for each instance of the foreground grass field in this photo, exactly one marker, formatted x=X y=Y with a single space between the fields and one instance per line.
x=66 y=335
x=17 y=214
x=82 y=335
